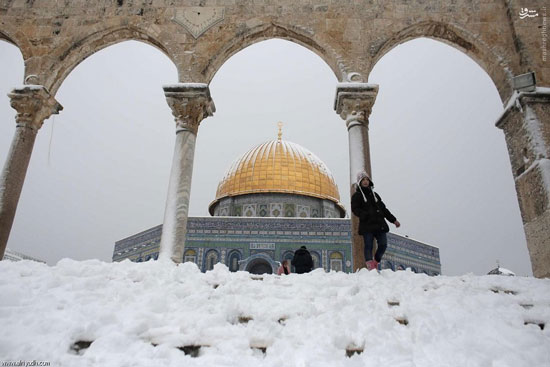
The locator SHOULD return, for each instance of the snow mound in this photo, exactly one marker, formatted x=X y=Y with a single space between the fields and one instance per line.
x=91 y=313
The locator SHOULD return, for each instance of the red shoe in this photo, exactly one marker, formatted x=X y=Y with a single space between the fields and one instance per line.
x=371 y=265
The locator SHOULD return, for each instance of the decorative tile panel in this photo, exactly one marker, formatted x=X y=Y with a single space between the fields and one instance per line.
x=302 y=211
x=276 y=210
x=289 y=210
x=249 y=210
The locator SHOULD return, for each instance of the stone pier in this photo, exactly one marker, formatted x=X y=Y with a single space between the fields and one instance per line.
x=354 y=103
x=526 y=125
x=33 y=104
x=190 y=104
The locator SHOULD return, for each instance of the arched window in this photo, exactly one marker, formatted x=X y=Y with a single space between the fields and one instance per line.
x=336 y=259
x=212 y=258
x=190 y=255
x=234 y=258
x=316 y=259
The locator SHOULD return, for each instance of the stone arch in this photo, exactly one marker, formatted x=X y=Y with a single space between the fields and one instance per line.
x=20 y=42
x=259 y=266
x=458 y=38
x=270 y=31
x=317 y=259
x=258 y=258
x=72 y=55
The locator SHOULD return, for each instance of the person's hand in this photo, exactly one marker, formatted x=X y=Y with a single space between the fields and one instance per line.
x=397 y=224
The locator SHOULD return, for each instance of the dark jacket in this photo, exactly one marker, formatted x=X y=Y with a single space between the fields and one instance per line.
x=372 y=212
x=302 y=261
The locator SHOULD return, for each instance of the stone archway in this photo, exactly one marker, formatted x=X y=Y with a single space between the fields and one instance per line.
x=263 y=32
x=21 y=42
x=74 y=54
x=458 y=38
x=259 y=266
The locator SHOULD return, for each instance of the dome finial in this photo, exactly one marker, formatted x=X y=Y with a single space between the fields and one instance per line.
x=280 y=125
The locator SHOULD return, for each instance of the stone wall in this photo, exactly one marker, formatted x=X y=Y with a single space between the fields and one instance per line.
x=199 y=36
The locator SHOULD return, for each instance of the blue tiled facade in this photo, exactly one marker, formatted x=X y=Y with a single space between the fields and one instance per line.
x=258 y=244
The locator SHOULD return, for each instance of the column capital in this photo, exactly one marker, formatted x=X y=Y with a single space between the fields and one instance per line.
x=518 y=100
x=190 y=104
x=33 y=104
x=354 y=101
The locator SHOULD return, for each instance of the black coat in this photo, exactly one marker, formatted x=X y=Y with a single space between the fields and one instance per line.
x=371 y=213
x=302 y=261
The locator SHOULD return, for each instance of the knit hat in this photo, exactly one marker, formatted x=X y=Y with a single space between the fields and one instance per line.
x=361 y=175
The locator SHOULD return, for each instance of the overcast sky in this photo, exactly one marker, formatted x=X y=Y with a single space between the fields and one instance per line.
x=99 y=170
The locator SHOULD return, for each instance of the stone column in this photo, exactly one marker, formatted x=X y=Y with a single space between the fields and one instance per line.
x=526 y=125
x=354 y=103
x=190 y=104
x=33 y=104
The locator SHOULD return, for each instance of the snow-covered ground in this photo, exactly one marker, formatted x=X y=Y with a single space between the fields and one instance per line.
x=159 y=314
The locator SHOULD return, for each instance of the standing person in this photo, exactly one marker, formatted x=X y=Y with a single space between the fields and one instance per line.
x=284 y=268
x=372 y=213
x=302 y=260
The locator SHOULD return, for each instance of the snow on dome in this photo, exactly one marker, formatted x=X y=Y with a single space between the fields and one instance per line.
x=91 y=313
x=501 y=271
x=278 y=166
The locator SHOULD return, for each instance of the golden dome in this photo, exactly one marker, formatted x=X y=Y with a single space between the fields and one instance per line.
x=278 y=166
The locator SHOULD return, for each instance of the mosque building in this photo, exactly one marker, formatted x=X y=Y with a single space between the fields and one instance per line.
x=274 y=199
x=19 y=256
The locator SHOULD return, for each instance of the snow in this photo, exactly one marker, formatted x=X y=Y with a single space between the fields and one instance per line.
x=185 y=85
x=357 y=85
x=533 y=128
x=505 y=271
x=30 y=87
x=138 y=314
x=177 y=201
x=514 y=99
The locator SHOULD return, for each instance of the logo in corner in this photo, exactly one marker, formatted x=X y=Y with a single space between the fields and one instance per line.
x=526 y=13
